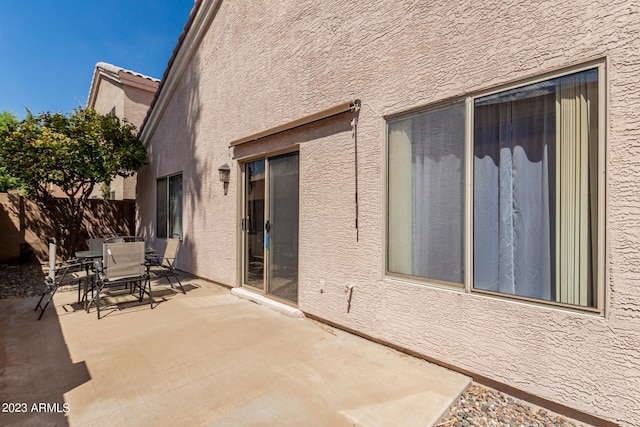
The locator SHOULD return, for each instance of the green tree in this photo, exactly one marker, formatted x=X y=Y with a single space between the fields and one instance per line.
x=74 y=153
x=7 y=120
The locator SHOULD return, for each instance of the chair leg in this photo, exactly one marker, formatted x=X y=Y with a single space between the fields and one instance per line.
x=85 y=291
x=91 y=284
x=142 y=285
x=40 y=300
x=148 y=282
x=83 y=288
x=97 y=299
x=46 y=304
x=48 y=294
x=179 y=283
x=45 y=307
x=174 y=274
x=88 y=302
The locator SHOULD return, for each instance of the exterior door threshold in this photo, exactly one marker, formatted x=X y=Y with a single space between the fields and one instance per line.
x=268 y=302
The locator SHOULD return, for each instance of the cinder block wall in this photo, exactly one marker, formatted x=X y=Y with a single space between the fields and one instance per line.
x=9 y=230
x=25 y=230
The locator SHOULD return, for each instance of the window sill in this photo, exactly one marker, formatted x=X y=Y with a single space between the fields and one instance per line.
x=507 y=298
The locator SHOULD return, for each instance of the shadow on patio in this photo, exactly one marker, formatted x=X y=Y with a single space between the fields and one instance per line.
x=36 y=366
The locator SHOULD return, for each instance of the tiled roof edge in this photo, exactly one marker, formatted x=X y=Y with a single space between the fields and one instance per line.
x=114 y=69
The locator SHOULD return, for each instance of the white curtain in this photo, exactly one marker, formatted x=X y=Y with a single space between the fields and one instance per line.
x=426 y=195
x=511 y=209
x=534 y=190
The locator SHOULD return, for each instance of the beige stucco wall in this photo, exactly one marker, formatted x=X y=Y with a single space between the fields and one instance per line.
x=109 y=97
x=261 y=65
x=136 y=104
x=129 y=97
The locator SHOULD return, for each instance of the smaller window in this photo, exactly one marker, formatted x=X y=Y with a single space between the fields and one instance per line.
x=169 y=206
x=426 y=195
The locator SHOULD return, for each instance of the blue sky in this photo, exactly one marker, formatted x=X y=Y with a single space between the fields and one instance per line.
x=49 y=48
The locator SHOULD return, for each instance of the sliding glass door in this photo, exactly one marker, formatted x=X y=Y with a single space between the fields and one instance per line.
x=270 y=226
x=253 y=224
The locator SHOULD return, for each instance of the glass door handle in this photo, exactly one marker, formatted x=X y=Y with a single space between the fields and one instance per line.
x=267 y=226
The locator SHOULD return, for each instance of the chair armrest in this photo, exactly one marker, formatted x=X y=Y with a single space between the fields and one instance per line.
x=153 y=260
x=62 y=268
x=98 y=267
x=75 y=264
x=169 y=261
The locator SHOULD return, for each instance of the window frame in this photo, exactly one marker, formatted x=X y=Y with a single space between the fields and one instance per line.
x=467 y=287
x=167 y=206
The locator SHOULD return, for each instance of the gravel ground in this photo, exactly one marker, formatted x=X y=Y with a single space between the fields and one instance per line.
x=478 y=406
x=482 y=406
x=24 y=280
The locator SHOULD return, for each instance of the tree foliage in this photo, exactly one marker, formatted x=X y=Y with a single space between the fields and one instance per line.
x=7 y=118
x=72 y=153
x=7 y=121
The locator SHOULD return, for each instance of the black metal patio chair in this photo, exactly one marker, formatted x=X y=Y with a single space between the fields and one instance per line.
x=123 y=263
x=166 y=266
x=60 y=273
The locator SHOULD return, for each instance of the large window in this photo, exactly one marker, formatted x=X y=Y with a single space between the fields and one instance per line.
x=169 y=207
x=533 y=209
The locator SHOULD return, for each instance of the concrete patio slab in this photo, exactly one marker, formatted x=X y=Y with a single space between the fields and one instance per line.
x=205 y=358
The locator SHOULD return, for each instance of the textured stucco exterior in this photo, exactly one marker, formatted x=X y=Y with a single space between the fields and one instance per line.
x=127 y=95
x=258 y=64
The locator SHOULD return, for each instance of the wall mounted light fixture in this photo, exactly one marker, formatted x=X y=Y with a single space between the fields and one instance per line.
x=225 y=173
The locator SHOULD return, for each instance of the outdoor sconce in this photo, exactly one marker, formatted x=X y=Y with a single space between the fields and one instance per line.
x=225 y=173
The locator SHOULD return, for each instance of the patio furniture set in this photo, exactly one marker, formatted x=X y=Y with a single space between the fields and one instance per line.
x=110 y=262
